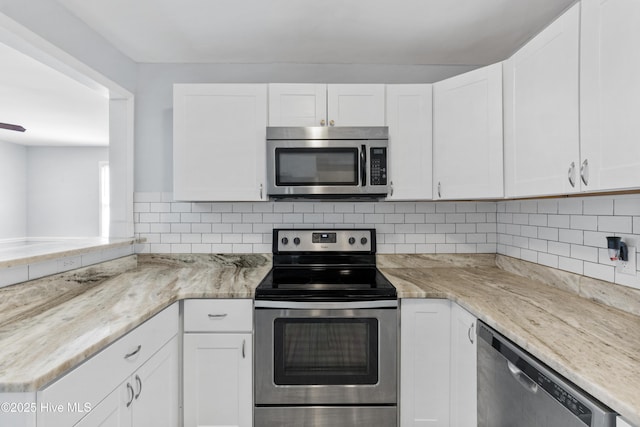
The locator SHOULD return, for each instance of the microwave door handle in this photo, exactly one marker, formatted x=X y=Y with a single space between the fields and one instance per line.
x=363 y=165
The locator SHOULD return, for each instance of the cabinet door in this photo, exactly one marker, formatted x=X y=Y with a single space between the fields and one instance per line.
x=156 y=389
x=424 y=365
x=541 y=112
x=410 y=147
x=355 y=104
x=610 y=94
x=463 y=368
x=112 y=411
x=219 y=133
x=217 y=386
x=297 y=104
x=467 y=135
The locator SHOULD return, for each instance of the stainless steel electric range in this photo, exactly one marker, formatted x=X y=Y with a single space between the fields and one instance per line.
x=326 y=328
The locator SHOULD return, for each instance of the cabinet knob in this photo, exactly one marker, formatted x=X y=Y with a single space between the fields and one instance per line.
x=323 y=122
x=584 y=172
x=571 y=174
x=391 y=188
x=260 y=191
x=332 y=123
x=439 y=190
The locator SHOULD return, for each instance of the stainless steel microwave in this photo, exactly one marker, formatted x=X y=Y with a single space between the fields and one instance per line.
x=327 y=162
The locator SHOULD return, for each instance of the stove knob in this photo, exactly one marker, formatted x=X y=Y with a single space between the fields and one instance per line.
x=363 y=241
x=296 y=241
x=284 y=241
x=352 y=240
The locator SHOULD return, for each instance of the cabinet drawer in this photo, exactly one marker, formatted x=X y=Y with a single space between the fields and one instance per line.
x=218 y=315
x=101 y=374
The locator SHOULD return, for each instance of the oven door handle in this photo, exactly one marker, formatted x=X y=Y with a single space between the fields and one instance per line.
x=329 y=305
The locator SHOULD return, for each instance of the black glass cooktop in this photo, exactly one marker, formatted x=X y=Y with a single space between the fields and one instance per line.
x=325 y=284
x=324 y=265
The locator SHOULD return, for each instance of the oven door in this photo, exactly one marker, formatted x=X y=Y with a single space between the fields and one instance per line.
x=325 y=356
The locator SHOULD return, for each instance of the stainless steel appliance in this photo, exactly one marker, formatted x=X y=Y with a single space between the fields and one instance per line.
x=326 y=330
x=515 y=389
x=327 y=162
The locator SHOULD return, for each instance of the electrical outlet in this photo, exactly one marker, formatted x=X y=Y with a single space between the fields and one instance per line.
x=628 y=267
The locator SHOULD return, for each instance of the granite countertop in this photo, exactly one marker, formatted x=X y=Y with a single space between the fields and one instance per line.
x=50 y=325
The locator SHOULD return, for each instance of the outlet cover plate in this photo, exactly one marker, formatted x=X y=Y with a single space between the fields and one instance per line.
x=628 y=267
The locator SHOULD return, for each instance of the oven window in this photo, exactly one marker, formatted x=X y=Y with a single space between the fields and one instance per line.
x=325 y=351
x=316 y=166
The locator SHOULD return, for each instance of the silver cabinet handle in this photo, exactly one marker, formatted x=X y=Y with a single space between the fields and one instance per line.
x=522 y=378
x=470 y=333
x=134 y=352
x=323 y=122
x=391 y=188
x=332 y=123
x=439 y=190
x=217 y=316
x=244 y=342
x=132 y=394
x=584 y=172
x=260 y=191
x=139 y=382
x=572 y=174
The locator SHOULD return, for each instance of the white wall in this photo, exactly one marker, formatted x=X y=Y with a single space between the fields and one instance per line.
x=62 y=191
x=154 y=99
x=13 y=186
x=53 y=22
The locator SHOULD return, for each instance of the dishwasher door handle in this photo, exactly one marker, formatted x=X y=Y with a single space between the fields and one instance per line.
x=522 y=378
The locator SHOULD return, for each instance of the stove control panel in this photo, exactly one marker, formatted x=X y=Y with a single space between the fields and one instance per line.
x=342 y=240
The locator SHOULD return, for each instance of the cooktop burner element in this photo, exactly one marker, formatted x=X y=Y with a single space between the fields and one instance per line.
x=325 y=265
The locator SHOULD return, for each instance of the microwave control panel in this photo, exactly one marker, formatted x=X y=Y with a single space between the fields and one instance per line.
x=378 y=165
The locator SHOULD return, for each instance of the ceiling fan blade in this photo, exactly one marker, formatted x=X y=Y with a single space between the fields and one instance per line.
x=12 y=127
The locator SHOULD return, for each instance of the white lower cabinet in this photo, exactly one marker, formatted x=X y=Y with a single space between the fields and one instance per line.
x=218 y=363
x=437 y=364
x=132 y=382
x=464 y=392
x=148 y=398
x=424 y=362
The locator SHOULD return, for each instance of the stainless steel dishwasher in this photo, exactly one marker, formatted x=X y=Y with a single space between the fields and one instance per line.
x=517 y=390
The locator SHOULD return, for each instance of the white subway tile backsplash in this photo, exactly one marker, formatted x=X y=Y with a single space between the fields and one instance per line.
x=615 y=224
x=570 y=264
x=629 y=205
x=570 y=206
x=548 y=206
x=598 y=206
x=571 y=236
x=561 y=233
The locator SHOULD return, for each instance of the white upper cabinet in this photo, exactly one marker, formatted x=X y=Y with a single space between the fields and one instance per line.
x=219 y=149
x=409 y=117
x=297 y=104
x=355 y=104
x=610 y=94
x=541 y=101
x=326 y=105
x=467 y=135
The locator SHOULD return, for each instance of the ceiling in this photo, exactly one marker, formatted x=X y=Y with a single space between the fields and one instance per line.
x=461 y=32
x=55 y=109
